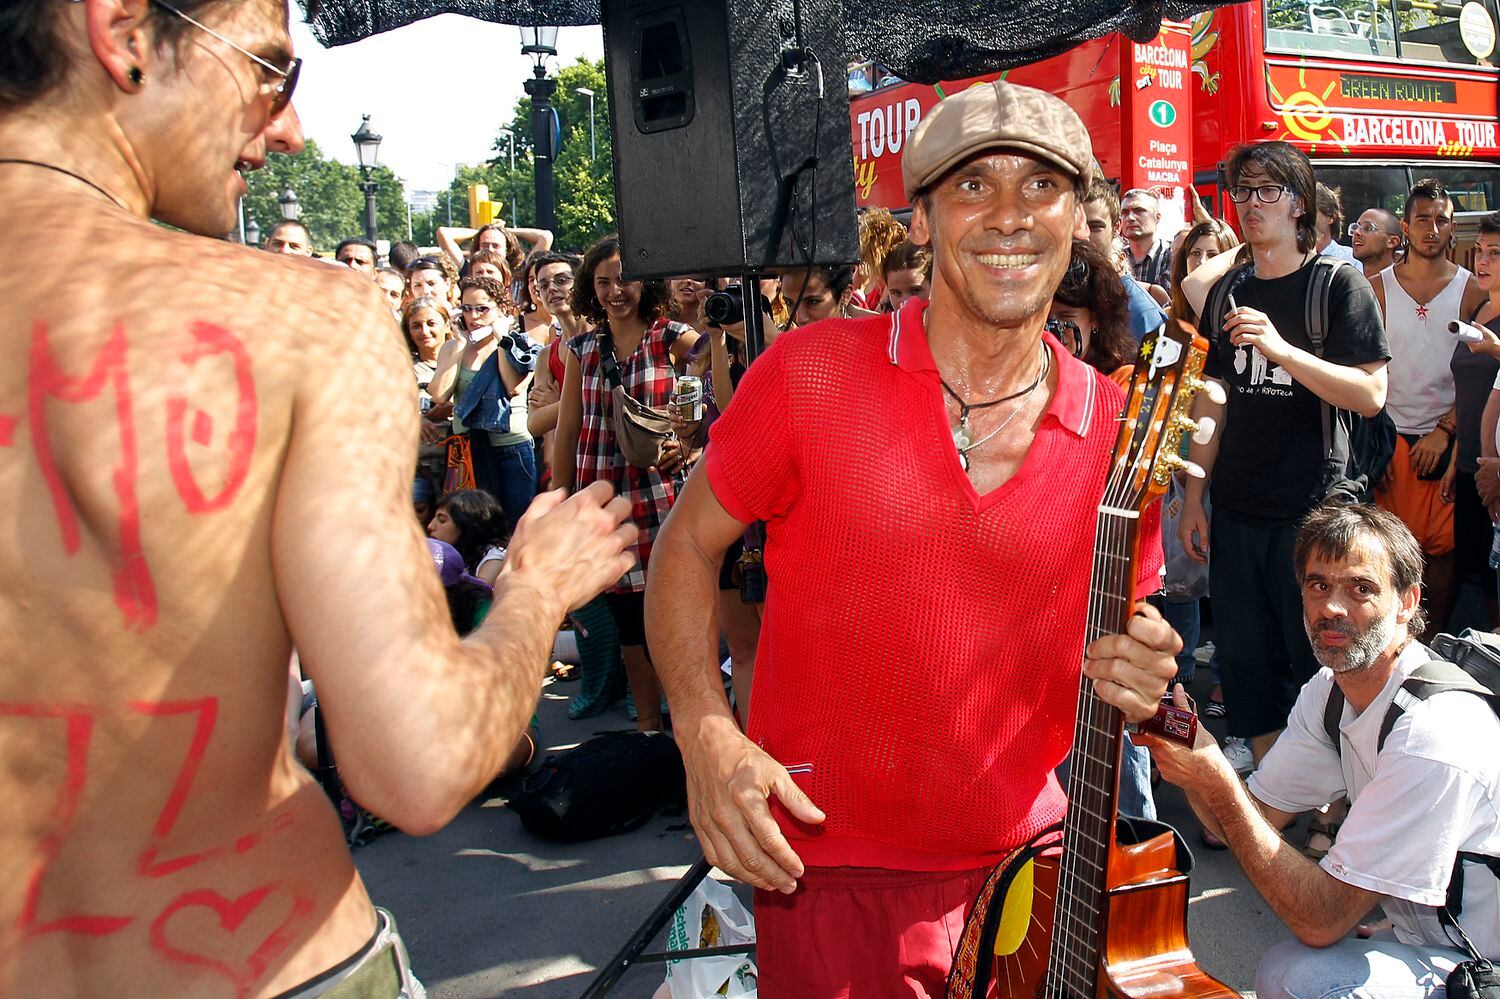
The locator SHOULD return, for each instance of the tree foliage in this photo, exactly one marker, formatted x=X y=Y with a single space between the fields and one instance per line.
x=585 y=185
x=333 y=203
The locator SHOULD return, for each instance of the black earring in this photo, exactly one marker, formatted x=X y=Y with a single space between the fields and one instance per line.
x=136 y=76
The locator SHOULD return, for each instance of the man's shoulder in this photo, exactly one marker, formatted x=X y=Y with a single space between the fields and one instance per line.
x=850 y=344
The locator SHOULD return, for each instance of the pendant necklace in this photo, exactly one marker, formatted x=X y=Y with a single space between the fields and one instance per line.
x=963 y=439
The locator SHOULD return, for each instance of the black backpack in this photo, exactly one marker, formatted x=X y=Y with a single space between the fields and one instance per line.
x=613 y=783
x=1470 y=662
x=1362 y=446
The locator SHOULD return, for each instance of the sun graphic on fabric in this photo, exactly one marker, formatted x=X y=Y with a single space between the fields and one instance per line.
x=1025 y=921
x=1304 y=113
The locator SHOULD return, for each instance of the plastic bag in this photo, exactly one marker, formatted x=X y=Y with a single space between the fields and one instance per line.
x=1187 y=578
x=711 y=917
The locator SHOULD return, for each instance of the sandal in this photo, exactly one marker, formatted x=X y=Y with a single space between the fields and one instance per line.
x=1215 y=709
x=1320 y=837
x=563 y=671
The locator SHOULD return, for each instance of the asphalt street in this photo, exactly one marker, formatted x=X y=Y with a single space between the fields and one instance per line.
x=488 y=909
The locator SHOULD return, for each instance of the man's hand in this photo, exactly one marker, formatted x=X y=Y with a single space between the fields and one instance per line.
x=730 y=782
x=432 y=432
x=1192 y=530
x=573 y=547
x=1428 y=451
x=1131 y=671
x=1186 y=767
x=1487 y=481
x=1245 y=325
x=686 y=430
x=1447 y=490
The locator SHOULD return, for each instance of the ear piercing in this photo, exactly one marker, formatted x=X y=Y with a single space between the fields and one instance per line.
x=136 y=76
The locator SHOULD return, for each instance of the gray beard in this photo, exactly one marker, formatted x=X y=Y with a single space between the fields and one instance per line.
x=1363 y=648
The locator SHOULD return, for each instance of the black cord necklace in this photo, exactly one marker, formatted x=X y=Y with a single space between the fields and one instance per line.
x=961 y=435
x=67 y=173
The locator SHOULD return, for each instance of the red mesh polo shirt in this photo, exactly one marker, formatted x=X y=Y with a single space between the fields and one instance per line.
x=919 y=659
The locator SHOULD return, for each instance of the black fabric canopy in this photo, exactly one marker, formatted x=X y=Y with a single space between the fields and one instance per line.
x=921 y=40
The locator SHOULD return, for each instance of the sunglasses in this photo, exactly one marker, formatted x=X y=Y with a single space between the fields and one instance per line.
x=281 y=91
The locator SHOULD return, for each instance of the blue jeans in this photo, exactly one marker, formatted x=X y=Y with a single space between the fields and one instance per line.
x=1378 y=968
x=507 y=473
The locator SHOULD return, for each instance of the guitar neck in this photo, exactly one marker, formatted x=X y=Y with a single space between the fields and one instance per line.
x=1093 y=768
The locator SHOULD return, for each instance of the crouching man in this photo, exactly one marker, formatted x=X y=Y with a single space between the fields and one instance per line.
x=1421 y=794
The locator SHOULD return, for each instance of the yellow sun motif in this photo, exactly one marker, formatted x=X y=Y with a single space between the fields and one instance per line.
x=1304 y=113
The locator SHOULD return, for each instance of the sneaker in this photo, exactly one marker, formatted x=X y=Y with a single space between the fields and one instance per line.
x=1237 y=752
x=1203 y=653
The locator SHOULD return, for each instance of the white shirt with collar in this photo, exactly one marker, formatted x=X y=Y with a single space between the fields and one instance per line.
x=1434 y=790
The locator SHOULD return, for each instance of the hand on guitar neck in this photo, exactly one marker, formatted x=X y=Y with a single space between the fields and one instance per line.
x=1131 y=671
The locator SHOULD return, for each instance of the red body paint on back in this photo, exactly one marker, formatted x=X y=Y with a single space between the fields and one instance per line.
x=213 y=340
x=135 y=593
x=79 y=728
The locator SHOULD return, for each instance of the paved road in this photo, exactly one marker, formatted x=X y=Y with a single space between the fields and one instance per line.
x=488 y=909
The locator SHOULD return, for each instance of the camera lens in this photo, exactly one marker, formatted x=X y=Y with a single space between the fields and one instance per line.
x=725 y=308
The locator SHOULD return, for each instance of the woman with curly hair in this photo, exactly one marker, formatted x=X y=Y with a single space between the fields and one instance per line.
x=473 y=522
x=1091 y=314
x=879 y=234
x=630 y=344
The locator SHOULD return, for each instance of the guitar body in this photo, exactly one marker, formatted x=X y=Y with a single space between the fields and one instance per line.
x=1145 y=933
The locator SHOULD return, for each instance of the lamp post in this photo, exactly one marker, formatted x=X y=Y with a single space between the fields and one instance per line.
x=585 y=91
x=252 y=232
x=291 y=208
x=540 y=43
x=367 y=145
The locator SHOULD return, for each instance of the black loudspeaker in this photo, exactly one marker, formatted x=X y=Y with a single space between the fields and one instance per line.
x=731 y=134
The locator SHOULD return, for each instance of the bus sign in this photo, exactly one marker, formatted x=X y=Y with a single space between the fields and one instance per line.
x=1162 y=114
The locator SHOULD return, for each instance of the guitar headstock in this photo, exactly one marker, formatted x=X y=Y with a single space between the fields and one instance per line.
x=1158 y=406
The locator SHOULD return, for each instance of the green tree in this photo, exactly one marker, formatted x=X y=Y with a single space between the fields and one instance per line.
x=333 y=204
x=585 y=186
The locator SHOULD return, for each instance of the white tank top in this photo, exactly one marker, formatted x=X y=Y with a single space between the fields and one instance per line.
x=1421 y=383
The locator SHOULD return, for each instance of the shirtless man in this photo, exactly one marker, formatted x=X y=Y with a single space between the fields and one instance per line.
x=198 y=477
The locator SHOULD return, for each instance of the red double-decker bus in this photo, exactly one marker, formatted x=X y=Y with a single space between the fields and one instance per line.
x=1378 y=93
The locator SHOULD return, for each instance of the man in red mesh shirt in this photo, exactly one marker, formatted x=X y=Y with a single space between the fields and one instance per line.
x=929 y=480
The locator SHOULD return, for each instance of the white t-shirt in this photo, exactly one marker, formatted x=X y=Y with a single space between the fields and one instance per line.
x=494 y=553
x=1337 y=249
x=1433 y=791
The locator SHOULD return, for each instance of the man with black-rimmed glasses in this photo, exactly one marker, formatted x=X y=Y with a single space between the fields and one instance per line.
x=1268 y=466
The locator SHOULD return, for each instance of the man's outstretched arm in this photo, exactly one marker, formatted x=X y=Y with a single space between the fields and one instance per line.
x=419 y=721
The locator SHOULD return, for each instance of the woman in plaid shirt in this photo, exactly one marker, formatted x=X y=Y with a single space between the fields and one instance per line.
x=628 y=322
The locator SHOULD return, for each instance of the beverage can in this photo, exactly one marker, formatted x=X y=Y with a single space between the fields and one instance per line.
x=688 y=398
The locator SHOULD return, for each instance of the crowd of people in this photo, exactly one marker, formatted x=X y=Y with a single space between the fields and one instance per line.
x=902 y=488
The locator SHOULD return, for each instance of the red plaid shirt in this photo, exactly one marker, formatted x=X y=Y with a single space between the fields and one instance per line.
x=649 y=377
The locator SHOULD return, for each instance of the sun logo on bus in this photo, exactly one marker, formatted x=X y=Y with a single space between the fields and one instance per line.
x=1304 y=113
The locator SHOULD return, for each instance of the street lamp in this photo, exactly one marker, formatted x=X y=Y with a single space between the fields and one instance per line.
x=367 y=145
x=252 y=232
x=540 y=43
x=291 y=208
x=585 y=91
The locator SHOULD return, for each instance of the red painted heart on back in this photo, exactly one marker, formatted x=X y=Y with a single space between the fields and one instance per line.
x=232 y=914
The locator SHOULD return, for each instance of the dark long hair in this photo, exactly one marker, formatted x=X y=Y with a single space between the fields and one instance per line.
x=655 y=299
x=480 y=521
x=1091 y=283
x=1182 y=310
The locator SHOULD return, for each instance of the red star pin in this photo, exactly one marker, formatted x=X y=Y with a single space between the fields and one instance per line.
x=1422 y=313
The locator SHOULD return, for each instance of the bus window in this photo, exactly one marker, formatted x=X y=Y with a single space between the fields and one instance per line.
x=1429 y=31
x=1364 y=187
x=1332 y=27
x=1474 y=188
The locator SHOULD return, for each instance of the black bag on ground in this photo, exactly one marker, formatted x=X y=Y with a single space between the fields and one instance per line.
x=613 y=783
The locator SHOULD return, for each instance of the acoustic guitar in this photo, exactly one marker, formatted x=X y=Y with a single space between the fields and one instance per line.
x=1107 y=916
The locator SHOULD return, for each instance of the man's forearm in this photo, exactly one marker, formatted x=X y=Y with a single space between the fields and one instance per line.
x=1341 y=386
x=680 y=596
x=1318 y=908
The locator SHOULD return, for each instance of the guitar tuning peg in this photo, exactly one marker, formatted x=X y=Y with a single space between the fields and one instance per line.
x=1203 y=429
x=1212 y=389
x=1194 y=470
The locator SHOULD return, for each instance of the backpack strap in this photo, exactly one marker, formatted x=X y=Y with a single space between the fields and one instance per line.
x=1333 y=713
x=1430 y=678
x=1217 y=303
x=1315 y=318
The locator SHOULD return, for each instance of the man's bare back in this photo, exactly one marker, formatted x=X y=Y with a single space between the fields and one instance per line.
x=208 y=452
